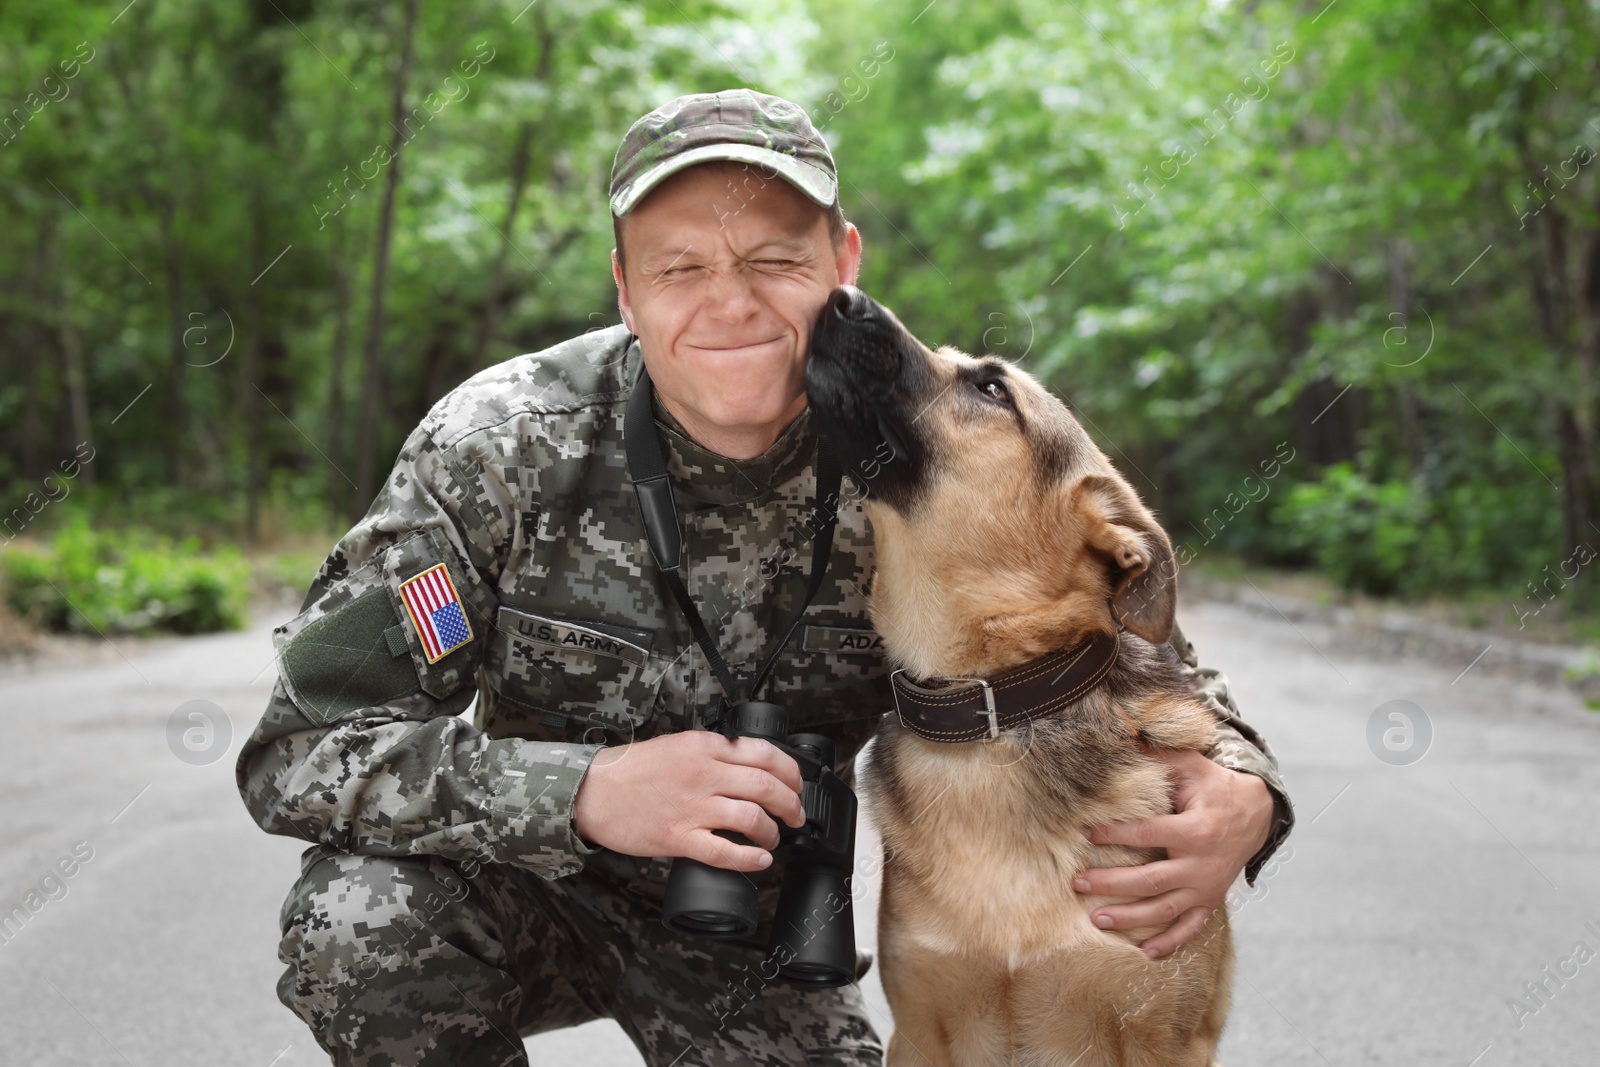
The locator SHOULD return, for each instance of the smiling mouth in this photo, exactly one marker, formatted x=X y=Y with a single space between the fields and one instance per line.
x=737 y=348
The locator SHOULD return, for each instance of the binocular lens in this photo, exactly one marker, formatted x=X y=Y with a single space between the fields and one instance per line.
x=710 y=924
x=708 y=901
x=814 y=938
x=815 y=975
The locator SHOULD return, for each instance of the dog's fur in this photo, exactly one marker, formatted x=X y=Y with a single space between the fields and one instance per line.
x=1002 y=532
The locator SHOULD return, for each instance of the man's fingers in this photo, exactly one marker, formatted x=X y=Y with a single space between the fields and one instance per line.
x=761 y=772
x=1154 y=911
x=768 y=792
x=714 y=849
x=1158 y=831
x=1145 y=880
x=1181 y=762
x=749 y=819
x=773 y=781
x=1187 y=770
x=759 y=752
x=1180 y=933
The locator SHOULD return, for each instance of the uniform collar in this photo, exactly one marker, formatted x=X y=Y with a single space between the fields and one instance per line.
x=701 y=475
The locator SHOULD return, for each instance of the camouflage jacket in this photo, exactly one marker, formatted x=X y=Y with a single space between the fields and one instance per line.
x=512 y=500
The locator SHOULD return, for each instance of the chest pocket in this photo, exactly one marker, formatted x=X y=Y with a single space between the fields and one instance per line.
x=832 y=674
x=569 y=671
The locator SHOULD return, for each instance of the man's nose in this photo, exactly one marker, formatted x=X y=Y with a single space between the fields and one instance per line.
x=731 y=293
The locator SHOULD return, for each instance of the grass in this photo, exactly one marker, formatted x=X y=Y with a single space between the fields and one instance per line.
x=80 y=572
x=1565 y=620
x=88 y=579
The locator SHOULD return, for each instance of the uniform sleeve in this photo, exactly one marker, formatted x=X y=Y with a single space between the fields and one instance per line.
x=361 y=747
x=1238 y=746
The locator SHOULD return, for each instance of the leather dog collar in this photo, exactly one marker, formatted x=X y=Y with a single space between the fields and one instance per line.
x=1031 y=691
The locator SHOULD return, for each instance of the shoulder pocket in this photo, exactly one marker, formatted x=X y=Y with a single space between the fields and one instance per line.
x=566 y=669
x=351 y=658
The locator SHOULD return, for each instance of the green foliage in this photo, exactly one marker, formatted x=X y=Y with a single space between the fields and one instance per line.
x=93 y=581
x=1391 y=537
x=1275 y=216
x=1210 y=227
x=1365 y=536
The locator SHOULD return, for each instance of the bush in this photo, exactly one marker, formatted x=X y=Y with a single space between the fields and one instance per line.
x=1392 y=537
x=125 y=581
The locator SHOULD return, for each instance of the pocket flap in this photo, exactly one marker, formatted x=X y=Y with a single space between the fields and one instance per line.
x=567 y=669
x=344 y=661
x=587 y=635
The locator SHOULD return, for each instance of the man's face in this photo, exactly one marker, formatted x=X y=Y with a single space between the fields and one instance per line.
x=726 y=272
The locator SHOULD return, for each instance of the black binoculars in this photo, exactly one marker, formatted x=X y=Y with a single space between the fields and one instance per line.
x=813 y=942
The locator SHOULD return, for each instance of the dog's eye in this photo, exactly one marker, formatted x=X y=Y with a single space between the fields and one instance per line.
x=994 y=390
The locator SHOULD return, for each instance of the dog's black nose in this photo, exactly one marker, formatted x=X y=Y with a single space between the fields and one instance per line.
x=848 y=302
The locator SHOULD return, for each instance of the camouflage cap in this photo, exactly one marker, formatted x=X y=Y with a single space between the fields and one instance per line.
x=735 y=124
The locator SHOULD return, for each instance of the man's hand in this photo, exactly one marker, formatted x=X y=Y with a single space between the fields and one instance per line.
x=670 y=792
x=1223 y=818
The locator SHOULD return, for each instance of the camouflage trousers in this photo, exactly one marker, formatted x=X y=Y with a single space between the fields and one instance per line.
x=420 y=961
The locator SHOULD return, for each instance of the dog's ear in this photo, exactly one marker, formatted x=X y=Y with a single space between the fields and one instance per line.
x=1144 y=574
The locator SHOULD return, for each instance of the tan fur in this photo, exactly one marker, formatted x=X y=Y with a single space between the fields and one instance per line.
x=987 y=953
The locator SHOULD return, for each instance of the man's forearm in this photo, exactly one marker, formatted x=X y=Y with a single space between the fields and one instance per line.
x=1231 y=749
x=385 y=784
x=1238 y=746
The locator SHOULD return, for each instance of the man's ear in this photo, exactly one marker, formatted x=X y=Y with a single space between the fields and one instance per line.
x=623 y=304
x=848 y=260
x=1144 y=574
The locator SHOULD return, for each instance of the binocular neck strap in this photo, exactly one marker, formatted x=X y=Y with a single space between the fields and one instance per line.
x=647 y=467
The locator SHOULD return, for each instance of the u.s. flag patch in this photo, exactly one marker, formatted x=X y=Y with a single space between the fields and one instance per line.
x=436 y=612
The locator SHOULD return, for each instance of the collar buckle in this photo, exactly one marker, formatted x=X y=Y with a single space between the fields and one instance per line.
x=988 y=704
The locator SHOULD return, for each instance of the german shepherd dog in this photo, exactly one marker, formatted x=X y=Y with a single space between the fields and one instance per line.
x=1026 y=595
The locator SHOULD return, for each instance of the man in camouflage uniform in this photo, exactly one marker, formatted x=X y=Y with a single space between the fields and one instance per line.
x=448 y=904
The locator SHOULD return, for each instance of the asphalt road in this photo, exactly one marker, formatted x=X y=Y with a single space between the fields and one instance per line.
x=1413 y=903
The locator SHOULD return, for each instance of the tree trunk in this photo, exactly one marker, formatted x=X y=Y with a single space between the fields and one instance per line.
x=260 y=74
x=338 y=496
x=521 y=155
x=1583 y=514
x=1568 y=314
x=492 y=299
x=253 y=396
x=365 y=446
x=35 y=341
x=172 y=407
x=71 y=341
x=32 y=427
x=1401 y=295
